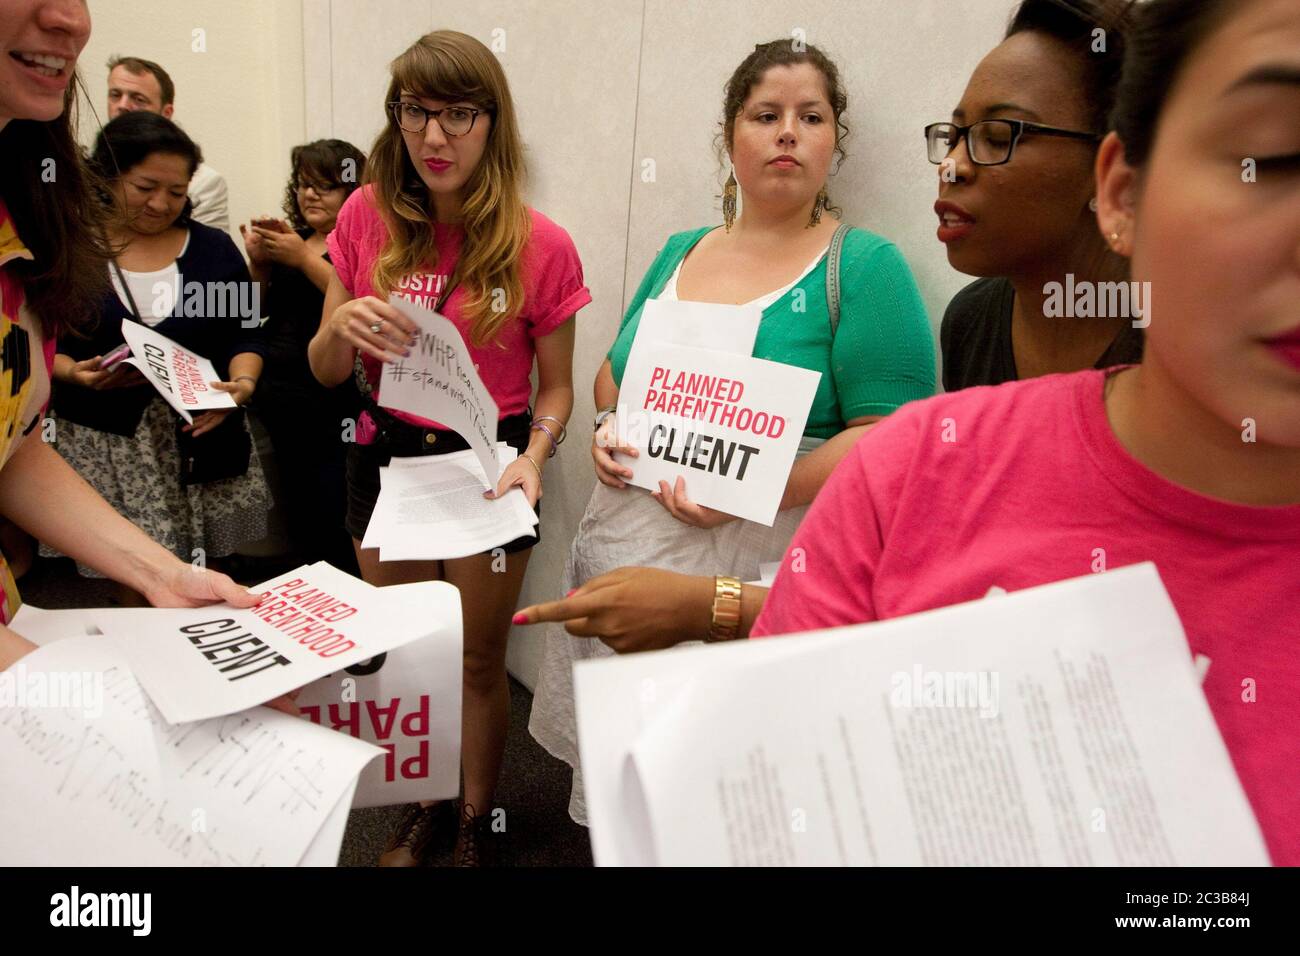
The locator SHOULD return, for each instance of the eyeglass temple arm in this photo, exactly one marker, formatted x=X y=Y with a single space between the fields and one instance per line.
x=1053 y=131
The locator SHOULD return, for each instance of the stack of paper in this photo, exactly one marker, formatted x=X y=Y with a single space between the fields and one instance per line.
x=1061 y=725
x=432 y=508
x=134 y=737
x=109 y=782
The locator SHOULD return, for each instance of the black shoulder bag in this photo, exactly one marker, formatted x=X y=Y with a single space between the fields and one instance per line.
x=217 y=455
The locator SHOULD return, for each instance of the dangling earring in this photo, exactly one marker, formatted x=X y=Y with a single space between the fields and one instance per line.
x=819 y=204
x=729 y=201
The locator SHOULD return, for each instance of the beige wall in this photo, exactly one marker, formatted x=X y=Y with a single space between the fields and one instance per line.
x=241 y=99
x=601 y=88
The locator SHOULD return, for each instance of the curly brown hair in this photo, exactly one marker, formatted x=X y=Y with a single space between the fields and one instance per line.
x=784 y=52
x=324 y=161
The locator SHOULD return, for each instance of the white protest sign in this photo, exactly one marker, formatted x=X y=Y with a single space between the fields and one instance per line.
x=702 y=325
x=729 y=424
x=117 y=785
x=438 y=381
x=203 y=662
x=181 y=376
x=408 y=703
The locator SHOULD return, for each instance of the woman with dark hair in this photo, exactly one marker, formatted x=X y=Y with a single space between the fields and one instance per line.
x=188 y=282
x=782 y=128
x=310 y=425
x=1017 y=201
x=52 y=273
x=1190 y=459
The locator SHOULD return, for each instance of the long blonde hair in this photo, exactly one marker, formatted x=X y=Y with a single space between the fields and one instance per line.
x=447 y=65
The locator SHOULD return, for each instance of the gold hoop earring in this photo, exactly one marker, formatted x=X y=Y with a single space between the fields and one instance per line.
x=729 y=201
x=820 y=203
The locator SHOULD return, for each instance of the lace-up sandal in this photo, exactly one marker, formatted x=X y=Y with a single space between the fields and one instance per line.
x=473 y=838
x=412 y=841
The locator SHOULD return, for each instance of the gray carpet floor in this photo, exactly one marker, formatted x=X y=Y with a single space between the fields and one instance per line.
x=534 y=787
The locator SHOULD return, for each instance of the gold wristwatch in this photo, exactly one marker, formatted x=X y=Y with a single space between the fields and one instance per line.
x=726 y=609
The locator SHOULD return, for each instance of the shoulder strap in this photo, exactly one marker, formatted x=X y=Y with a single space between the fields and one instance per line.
x=833 y=276
x=126 y=287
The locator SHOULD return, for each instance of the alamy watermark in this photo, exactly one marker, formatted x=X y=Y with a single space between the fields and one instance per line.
x=82 y=690
x=211 y=300
x=1098 y=300
x=75 y=908
x=968 y=690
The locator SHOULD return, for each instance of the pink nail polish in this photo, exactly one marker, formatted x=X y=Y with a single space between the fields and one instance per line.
x=571 y=593
x=520 y=618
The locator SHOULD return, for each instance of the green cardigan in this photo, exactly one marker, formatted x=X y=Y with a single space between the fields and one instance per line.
x=883 y=352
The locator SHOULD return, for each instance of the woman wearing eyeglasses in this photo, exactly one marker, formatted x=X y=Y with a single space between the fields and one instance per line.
x=1016 y=202
x=1190 y=459
x=309 y=424
x=442 y=221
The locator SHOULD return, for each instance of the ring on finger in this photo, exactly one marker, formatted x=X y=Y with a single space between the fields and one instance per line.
x=376 y=326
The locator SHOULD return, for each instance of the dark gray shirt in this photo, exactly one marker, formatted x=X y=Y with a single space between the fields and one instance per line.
x=975 y=337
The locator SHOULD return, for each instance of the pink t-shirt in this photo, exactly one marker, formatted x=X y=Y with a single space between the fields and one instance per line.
x=1033 y=485
x=553 y=291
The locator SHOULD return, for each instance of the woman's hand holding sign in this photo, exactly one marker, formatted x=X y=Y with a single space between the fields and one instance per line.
x=241 y=390
x=603 y=445
x=686 y=511
x=374 y=327
x=184 y=585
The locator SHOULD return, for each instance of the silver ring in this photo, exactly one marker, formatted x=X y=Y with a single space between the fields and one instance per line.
x=376 y=326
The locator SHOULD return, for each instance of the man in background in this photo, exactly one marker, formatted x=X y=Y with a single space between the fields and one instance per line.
x=138 y=84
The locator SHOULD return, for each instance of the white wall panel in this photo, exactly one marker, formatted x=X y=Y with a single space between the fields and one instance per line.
x=903 y=64
x=365 y=36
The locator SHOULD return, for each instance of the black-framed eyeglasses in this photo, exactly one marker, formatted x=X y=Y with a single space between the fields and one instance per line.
x=989 y=142
x=321 y=189
x=454 y=120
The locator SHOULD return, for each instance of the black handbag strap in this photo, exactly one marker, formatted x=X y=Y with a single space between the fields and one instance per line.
x=126 y=287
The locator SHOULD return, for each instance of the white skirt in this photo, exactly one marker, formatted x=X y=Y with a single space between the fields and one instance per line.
x=628 y=528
